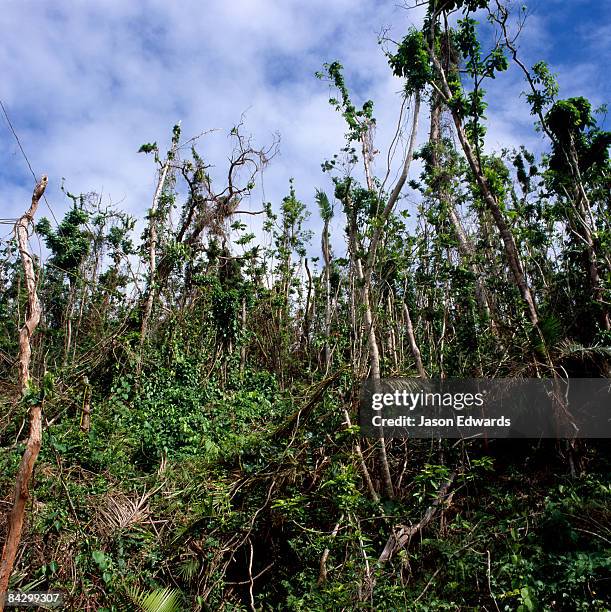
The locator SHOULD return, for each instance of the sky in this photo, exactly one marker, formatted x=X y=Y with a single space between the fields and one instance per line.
x=86 y=83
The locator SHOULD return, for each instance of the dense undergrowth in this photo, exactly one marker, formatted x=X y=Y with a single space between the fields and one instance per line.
x=183 y=483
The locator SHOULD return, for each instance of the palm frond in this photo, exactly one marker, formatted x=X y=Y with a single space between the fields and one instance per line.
x=189 y=569
x=159 y=600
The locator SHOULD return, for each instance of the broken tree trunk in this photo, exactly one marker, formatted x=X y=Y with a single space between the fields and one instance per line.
x=86 y=411
x=150 y=298
x=26 y=468
x=404 y=533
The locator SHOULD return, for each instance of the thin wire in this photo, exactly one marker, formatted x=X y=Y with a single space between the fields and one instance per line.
x=17 y=138
x=27 y=161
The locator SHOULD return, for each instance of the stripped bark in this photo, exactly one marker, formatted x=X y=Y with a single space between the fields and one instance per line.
x=364 y=273
x=86 y=416
x=404 y=534
x=375 y=372
x=583 y=228
x=153 y=238
x=26 y=467
x=413 y=345
x=392 y=341
x=359 y=451
x=243 y=346
x=326 y=254
x=322 y=574
x=305 y=336
x=34 y=310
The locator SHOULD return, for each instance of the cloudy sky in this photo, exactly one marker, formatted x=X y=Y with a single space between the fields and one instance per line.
x=86 y=83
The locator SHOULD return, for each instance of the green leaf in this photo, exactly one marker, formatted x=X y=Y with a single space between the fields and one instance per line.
x=100 y=558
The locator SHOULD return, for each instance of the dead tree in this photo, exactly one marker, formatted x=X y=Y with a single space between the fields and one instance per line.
x=153 y=237
x=26 y=467
x=208 y=211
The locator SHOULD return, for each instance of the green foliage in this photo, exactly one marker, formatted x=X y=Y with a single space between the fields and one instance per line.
x=569 y=117
x=428 y=481
x=576 y=136
x=35 y=395
x=358 y=121
x=324 y=206
x=547 y=89
x=411 y=61
x=479 y=68
x=149 y=147
x=70 y=243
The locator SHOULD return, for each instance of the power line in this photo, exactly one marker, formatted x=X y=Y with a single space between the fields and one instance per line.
x=27 y=161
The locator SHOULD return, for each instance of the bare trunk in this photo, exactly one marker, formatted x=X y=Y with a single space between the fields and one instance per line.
x=395 y=193
x=153 y=239
x=413 y=345
x=243 y=347
x=305 y=337
x=581 y=199
x=392 y=344
x=322 y=574
x=150 y=298
x=364 y=276
x=364 y=470
x=326 y=253
x=402 y=535
x=584 y=230
x=465 y=247
x=374 y=351
x=26 y=467
x=375 y=371
x=86 y=416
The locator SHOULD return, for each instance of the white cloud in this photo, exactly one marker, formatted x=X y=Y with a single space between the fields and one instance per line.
x=86 y=83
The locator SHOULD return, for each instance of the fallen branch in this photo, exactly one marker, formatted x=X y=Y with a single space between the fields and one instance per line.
x=322 y=575
x=304 y=411
x=403 y=534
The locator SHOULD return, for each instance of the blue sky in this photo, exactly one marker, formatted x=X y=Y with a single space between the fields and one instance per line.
x=86 y=83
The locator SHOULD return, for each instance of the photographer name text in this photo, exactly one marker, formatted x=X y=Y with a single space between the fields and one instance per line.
x=460 y=420
x=421 y=399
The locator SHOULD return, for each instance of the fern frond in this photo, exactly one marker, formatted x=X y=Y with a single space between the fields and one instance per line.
x=569 y=348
